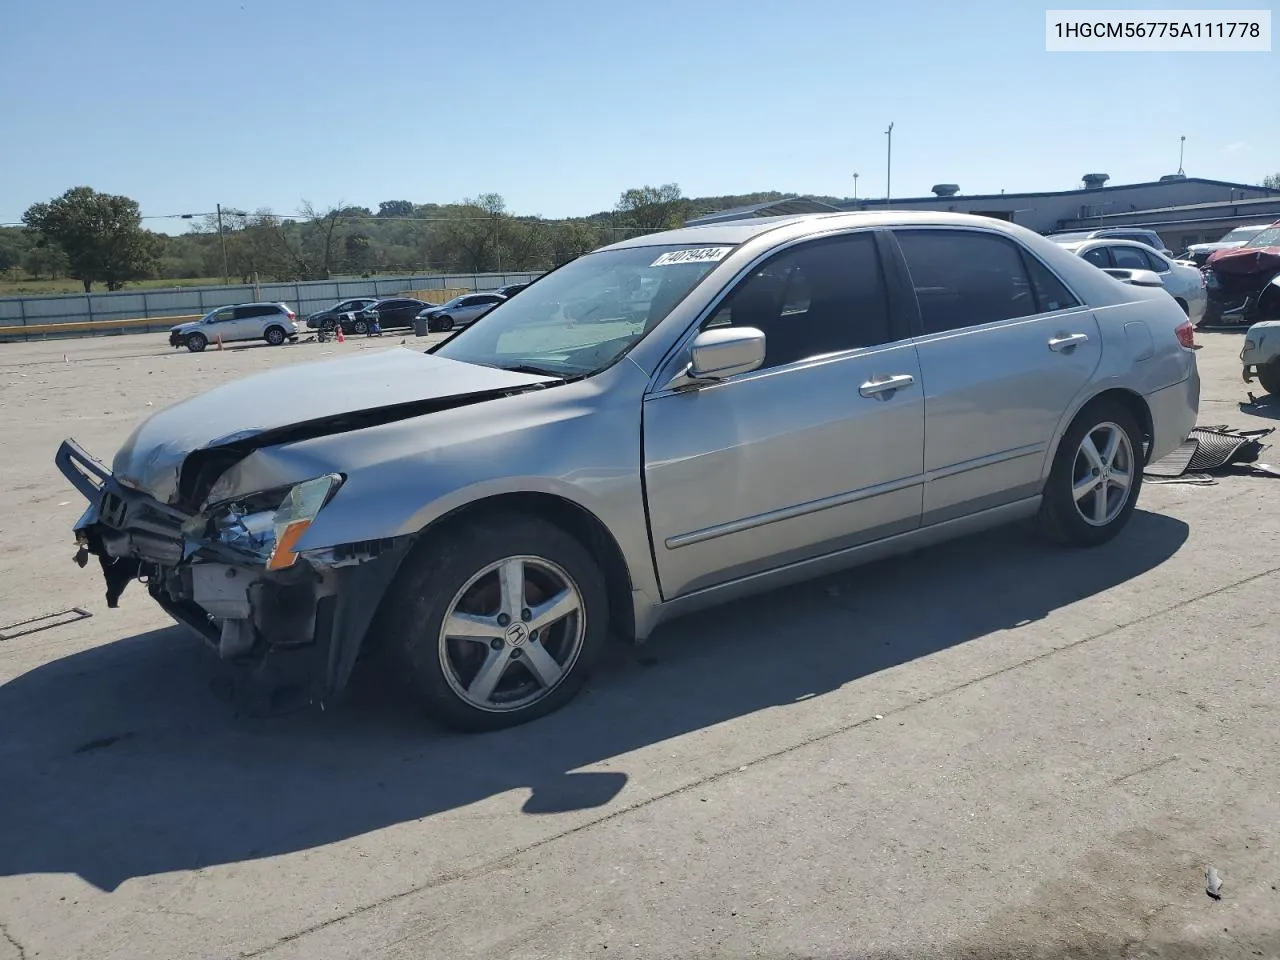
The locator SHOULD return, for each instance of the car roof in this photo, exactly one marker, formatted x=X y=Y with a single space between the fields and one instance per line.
x=252 y=303
x=1106 y=242
x=732 y=233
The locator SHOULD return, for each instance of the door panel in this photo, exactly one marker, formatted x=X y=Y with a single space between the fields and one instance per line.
x=810 y=453
x=1006 y=350
x=755 y=473
x=994 y=398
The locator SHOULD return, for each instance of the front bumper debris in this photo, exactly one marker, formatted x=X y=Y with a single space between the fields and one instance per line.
x=293 y=633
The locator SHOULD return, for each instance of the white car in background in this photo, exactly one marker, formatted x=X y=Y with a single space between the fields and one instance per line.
x=273 y=322
x=1185 y=284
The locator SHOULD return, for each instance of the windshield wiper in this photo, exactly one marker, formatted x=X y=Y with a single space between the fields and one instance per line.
x=536 y=371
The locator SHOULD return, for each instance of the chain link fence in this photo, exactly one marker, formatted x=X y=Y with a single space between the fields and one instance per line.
x=305 y=297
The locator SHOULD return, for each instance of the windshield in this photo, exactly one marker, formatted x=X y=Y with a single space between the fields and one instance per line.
x=585 y=316
x=1269 y=237
x=1241 y=233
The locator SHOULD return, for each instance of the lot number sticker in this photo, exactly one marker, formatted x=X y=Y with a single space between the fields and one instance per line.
x=700 y=255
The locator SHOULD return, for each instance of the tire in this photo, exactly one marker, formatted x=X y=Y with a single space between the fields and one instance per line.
x=196 y=342
x=1063 y=515
x=328 y=326
x=460 y=570
x=445 y=323
x=360 y=326
x=1269 y=377
x=275 y=336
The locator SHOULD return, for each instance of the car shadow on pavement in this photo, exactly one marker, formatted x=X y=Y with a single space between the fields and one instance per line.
x=118 y=762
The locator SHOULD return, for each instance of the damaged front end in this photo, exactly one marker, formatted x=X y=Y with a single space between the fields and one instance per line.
x=293 y=620
x=1242 y=287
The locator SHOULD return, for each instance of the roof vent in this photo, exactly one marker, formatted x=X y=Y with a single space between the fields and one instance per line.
x=1095 y=181
x=946 y=189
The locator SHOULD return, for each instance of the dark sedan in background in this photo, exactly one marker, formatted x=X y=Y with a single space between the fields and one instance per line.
x=328 y=319
x=388 y=312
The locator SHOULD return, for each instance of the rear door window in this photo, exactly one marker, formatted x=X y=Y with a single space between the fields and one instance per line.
x=1130 y=258
x=963 y=278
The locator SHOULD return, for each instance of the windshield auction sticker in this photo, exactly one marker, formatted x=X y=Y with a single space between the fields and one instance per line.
x=698 y=255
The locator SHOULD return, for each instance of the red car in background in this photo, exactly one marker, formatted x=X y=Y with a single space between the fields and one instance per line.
x=1244 y=284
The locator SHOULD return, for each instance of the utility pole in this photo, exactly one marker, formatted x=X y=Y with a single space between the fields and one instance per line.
x=888 y=176
x=222 y=239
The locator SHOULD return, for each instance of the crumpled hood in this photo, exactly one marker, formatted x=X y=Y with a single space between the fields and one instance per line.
x=1243 y=261
x=309 y=396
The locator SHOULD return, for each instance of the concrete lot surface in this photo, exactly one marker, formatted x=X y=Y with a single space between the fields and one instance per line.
x=991 y=749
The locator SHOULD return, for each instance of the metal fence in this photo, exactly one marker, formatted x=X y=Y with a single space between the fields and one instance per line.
x=303 y=297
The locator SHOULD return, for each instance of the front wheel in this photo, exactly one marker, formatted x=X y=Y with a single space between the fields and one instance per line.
x=445 y=323
x=1096 y=477
x=498 y=622
x=197 y=342
x=275 y=336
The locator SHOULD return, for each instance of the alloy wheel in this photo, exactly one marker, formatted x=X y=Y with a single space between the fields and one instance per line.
x=512 y=634
x=1102 y=475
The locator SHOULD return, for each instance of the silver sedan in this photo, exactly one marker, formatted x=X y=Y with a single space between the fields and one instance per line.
x=1185 y=283
x=798 y=395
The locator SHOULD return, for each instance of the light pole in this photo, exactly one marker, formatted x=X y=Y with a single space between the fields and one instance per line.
x=888 y=175
x=855 y=186
x=222 y=239
x=1181 y=146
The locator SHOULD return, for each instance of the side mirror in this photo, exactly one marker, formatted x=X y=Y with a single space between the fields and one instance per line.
x=1137 y=278
x=717 y=354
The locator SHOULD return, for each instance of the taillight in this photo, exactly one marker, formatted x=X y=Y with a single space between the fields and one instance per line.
x=1186 y=333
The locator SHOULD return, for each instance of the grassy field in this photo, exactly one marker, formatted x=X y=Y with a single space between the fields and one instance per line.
x=36 y=288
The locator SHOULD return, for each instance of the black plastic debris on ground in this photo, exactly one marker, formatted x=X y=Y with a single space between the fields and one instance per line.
x=1210 y=450
x=44 y=622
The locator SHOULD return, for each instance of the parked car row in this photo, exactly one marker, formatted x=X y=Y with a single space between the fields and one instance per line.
x=359 y=315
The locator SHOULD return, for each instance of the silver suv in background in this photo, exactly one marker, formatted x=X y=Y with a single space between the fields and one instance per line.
x=460 y=311
x=272 y=322
x=1133 y=234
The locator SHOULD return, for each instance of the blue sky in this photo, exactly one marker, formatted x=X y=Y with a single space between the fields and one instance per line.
x=560 y=105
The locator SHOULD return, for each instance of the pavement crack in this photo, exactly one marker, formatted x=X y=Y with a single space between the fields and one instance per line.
x=4 y=932
x=512 y=857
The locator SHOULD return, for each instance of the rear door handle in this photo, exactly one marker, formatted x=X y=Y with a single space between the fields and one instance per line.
x=882 y=388
x=1058 y=344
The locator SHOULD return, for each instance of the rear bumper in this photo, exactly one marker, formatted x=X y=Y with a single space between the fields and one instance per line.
x=1174 y=411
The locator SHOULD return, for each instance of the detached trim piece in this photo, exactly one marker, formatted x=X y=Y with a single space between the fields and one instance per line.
x=44 y=622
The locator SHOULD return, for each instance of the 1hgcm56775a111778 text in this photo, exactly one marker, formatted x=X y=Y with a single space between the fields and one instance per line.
x=1168 y=31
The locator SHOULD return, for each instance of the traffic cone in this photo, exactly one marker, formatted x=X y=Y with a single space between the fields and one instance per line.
x=341 y=338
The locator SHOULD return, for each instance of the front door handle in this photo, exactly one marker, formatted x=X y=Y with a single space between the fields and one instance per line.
x=1058 y=344
x=880 y=389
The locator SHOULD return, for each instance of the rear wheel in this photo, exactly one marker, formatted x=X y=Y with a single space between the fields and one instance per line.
x=498 y=622
x=275 y=336
x=1269 y=377
x=197 y=342
x=360 y=326
x=1096 y=477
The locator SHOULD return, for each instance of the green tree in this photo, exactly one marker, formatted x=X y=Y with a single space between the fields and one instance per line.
x=652 y=208
x=1271 y=181
x=395 y=208
x=101 y=235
